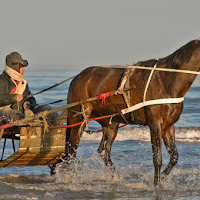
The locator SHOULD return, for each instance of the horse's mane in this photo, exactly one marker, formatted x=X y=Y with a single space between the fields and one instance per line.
x=173 y=61
x=146 y=63
x=180 y=56
x=144 y=74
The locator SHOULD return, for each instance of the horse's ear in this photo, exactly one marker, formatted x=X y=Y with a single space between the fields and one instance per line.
x=137 y=63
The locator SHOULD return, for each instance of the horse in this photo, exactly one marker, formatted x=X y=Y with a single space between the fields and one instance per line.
x=159 y=118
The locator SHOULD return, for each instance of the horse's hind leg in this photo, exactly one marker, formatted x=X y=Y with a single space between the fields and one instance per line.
x=169 y=141
x=109 y=134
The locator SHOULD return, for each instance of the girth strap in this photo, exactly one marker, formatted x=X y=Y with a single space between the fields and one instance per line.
x=152 y=102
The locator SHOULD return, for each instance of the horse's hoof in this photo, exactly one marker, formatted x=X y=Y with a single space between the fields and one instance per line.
x=163 y=177
x=53 y=171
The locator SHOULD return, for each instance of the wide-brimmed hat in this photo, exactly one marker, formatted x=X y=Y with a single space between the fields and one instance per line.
x=15 y=61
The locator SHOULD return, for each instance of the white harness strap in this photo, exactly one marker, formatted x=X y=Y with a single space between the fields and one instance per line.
x=147 y=85
x=156 y=101
x=152 y=102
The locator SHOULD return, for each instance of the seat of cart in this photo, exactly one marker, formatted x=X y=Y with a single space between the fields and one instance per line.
x=37 y=146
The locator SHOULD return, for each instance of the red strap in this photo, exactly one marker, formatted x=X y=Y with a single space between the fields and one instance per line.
x=4 y=126
x=103 y=96
x=72 y=125
x=118 y=127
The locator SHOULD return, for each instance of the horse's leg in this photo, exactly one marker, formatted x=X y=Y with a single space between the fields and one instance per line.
x=109 y=134
x=74 y=133
x=103 y=140
x=156 y=141
x=169 y=141
x=104 y=123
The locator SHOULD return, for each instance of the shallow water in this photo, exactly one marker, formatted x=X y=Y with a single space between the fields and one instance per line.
x=131 y=155
x=133 y=177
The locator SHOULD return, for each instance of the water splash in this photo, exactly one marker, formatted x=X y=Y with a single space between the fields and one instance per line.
x=93 y=180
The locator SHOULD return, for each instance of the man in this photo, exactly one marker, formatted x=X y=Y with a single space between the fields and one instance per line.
x=14 y=91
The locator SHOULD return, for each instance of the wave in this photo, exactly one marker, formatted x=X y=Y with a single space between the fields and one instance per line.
x=143 y=134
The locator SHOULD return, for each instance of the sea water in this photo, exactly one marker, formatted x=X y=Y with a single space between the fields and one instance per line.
x=131 y=155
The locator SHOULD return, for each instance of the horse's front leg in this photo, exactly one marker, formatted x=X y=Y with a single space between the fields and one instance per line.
x=156 y=141
x=72 y=141
x=109 y=134
x=169 y=140
x=65 y=169
x=102 y=143
x=73 y=136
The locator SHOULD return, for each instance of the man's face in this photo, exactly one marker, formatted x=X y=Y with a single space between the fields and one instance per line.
x=22 y=70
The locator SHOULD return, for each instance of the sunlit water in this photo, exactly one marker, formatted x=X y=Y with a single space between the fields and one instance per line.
x=131 y=155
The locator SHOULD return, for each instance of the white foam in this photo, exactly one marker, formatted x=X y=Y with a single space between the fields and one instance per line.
x=143 y=134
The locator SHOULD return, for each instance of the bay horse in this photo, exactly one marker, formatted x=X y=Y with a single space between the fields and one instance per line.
x=159 y=118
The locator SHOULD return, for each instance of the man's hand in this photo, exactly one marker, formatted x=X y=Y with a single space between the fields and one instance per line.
x=18 y=97
x=26 y=105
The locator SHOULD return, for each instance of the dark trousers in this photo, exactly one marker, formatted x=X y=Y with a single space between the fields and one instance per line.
x=8 y=114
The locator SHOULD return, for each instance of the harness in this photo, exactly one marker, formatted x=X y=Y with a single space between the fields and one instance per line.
x=124 y=84
x=130 y=108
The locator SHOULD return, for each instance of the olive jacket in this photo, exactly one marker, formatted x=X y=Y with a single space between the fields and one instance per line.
x=6 y=86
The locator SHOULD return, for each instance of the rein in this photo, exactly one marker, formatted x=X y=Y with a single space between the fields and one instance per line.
x=115 y=92
x=44 y=90
x=117 y=66
x=161 y=69
x=139 y=105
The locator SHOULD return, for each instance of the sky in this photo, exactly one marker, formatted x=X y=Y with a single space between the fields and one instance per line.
x=75 y=34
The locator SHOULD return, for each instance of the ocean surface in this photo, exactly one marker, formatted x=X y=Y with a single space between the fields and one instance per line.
x=131 y=155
